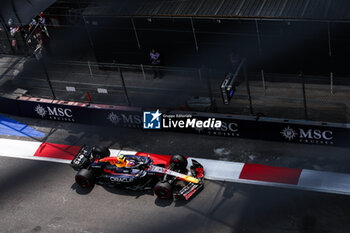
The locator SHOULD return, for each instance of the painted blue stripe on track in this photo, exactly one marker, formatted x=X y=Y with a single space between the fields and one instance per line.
x=15 y=128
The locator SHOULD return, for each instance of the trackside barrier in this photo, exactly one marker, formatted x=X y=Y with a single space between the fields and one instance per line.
x=294 y=131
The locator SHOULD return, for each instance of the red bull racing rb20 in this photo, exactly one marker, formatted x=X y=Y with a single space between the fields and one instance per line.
x=168 y=176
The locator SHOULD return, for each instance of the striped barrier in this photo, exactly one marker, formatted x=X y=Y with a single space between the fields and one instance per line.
x=247 y=173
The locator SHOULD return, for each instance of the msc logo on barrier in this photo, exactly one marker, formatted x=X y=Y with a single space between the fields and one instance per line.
x=127 y=120
x=289 y=133
x=312 y=136
x=151 y=120
x=40 y=110
x=54 y=113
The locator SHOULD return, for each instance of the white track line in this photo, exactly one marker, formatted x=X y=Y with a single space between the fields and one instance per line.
x=329 y=182
x=23 y=150
x=220 y=170
x=18 y=149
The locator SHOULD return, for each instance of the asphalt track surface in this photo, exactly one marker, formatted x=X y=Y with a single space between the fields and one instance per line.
x=40 y=196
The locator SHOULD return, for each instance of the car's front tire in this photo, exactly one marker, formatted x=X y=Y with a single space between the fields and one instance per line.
x=84 y=178
x=179 y=161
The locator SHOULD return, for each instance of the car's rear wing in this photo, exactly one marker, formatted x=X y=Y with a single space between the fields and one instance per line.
x=82 y=159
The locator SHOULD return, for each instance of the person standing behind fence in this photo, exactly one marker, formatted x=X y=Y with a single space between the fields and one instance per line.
x=45 y=37
x=155 y=61
x=13 y=32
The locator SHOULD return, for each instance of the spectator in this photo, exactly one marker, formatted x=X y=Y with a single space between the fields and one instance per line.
x=32 y=34
x=45 y=41
x=37 y=36
x=33 y=30
x=45 y=37
x=155 y=61
x=42 y=20
x=32 y=25
x=13 y=32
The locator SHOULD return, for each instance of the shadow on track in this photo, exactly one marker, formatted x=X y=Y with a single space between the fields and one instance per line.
x=136 y=194
x=80 y=190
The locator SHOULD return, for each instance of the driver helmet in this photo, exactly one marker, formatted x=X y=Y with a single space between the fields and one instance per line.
x=121 y=161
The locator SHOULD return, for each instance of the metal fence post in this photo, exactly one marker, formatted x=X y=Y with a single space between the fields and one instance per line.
x=47 y=78
x=135 y=31
x=124 y=87
x=330 y=55
x=91 y=75
x=209 y=86
x=304 y=94
x=260 y=54
x=194 y=34
x=329 y=40
x=200 y=74
x=143 y=72
x=263 y=80
x=248 y=87
x=331 y=76
x=89 y=36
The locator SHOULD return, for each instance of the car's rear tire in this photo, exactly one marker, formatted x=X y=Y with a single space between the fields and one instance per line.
x=163 y=190
x=179 y=161
x=84 y=178
x=100 y=152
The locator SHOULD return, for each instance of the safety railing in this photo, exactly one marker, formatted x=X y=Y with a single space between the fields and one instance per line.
x=298 y=96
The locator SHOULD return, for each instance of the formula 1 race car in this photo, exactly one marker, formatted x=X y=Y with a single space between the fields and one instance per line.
x=167 y=175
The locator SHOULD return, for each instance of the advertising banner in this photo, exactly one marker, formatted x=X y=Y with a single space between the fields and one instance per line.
x=9 y=105
x=53 y=111
x=116 y=117
x=281 y=131
x=293 y=131
x=81 y=113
